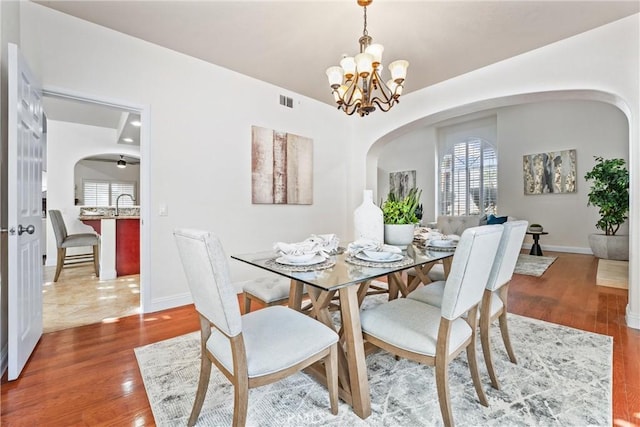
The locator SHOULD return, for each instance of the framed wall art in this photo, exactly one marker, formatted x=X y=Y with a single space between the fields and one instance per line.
x=401 y=182
x=550 y=173
x=281 y=167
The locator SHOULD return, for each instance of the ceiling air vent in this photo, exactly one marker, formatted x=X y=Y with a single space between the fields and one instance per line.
x=286 y=101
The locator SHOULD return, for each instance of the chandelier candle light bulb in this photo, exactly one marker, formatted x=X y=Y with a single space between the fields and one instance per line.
x=357 y=85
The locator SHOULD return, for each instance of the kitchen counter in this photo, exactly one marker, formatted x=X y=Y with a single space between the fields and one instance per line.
x=119 y=243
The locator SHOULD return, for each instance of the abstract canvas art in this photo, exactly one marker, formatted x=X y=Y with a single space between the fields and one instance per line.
x=281 y=168
x=550 y=173
x=401 y=182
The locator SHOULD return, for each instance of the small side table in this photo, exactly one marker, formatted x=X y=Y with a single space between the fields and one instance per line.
x=535 y=248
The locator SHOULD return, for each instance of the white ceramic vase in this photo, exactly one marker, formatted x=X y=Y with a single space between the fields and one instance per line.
x=367 y=219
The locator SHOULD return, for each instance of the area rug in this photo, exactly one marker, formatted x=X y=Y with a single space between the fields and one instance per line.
x=532 y=265
x=563 y=377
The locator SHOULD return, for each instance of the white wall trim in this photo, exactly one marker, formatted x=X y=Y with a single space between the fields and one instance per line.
x=145 y=176
x=567 y=249
x=633 y=320
x=166 y=303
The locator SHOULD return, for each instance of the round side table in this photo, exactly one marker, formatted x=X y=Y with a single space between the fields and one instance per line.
x=535 y=248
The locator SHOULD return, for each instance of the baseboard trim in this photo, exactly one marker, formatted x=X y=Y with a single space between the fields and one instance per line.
x=568 y=249
x=633 y=319
x=166 y=303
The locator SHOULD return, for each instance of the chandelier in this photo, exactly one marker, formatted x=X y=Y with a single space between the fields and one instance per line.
x=357 y=84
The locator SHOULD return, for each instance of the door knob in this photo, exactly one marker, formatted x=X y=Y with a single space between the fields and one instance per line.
x=29 y=229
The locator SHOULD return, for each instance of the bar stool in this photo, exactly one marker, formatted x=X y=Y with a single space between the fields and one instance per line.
x=65 y=240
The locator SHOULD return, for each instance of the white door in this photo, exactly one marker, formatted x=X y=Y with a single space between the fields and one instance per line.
x=25 y=212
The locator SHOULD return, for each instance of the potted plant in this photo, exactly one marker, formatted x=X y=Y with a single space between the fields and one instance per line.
x=610 y=194
x=400 y=219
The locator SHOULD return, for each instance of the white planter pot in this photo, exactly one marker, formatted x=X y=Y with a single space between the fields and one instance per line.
x=400 y=235
x=610 y=247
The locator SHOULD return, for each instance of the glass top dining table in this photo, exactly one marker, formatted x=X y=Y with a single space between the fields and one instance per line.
x=349 y=278
x=342 y=270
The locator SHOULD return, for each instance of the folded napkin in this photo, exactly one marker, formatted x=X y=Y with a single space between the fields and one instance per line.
x=424 y=234
x=321 y=244
x=328 y=242
x=360 y=245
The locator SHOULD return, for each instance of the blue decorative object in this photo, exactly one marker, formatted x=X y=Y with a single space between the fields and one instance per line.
x=492 y=219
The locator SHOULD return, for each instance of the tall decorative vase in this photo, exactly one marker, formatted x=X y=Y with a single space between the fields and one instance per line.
x=367 y=219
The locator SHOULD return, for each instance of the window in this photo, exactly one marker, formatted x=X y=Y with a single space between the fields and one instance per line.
x=468 y=178
x=105 y=193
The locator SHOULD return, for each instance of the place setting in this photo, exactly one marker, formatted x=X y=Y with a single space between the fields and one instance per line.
x=433 y=240
x=314 y=253
x=371 y=253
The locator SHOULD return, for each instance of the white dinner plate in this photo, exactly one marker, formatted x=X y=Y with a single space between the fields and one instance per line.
x=392 y=258
x=315 y=260
x=442 y=243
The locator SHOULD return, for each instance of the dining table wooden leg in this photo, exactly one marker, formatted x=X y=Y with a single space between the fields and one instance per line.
x=354 y=343
x=295 y=295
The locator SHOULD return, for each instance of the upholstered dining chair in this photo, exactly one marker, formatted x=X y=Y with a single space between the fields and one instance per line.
x=494 y=300
x=436 y=335
x=64 y=240
x=268 y=291
x=254 y=349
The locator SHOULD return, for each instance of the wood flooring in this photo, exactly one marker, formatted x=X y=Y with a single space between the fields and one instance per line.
x=88 y=376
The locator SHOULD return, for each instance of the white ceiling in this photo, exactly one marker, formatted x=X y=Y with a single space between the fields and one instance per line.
x=291 y=43
x=92 y=114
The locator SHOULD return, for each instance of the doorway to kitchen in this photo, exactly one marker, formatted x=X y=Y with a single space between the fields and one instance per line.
x=89 y=140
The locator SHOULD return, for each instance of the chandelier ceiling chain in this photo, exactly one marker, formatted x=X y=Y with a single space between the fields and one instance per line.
x=357 y=85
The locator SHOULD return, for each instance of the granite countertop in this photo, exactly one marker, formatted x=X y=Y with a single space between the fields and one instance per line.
x=108 y=212
x=97 y=217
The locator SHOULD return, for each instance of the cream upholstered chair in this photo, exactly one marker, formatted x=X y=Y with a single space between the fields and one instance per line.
x=65 y=240
x=253 y=349
x=436 y=335
x=268 y=290
x=494 y=300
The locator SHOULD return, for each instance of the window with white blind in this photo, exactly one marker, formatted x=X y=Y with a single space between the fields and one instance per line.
x=105 y=193
x=468 y=178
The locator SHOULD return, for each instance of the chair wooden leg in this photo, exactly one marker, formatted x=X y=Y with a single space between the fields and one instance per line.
x=475 y=375
x=203 y=384
x=62 y=252
x=247 y=303
x=504 y=330
x=442 y=371
x=473 y=360
x=442 y=384
x=485 y=329
x=331 y=368
x=96 y=262
x=240 y=402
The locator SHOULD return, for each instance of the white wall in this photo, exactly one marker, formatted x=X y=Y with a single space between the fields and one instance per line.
x=592 y=128
x=200 y=142
x=413 y=151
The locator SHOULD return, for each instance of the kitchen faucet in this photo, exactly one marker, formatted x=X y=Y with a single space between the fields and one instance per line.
x=118 y=201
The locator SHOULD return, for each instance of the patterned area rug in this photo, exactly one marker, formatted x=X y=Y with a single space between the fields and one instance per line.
x=563 y=377
x=532 y=265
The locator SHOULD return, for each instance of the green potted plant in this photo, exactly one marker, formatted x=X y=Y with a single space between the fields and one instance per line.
x=400 y=217
x=610 y=194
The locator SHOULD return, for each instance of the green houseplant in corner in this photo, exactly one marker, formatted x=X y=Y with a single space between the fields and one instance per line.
x=610 y=194
x=400 y=217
